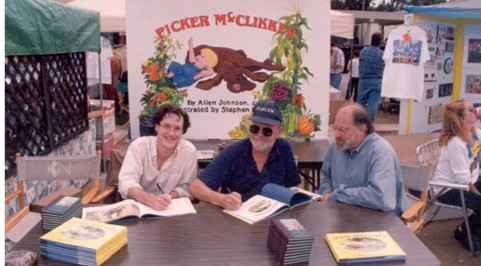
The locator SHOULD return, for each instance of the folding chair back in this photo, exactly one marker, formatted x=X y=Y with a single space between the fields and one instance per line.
x=43 y=168
x=416 y=178
x=428 y=154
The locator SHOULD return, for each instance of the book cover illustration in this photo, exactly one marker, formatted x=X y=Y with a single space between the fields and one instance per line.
x=364 y=247
x=61 y=205
x=84 y=234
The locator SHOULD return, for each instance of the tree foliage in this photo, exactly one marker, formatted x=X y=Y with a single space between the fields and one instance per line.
x=384 y=5
x=351 y=4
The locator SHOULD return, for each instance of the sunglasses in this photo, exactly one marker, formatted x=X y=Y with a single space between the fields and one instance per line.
x=266 y=131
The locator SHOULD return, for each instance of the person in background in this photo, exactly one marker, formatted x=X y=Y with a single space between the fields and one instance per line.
x=371 y=68
x=159 y=168
x=353 y=67
x=240 y=171
x=337 y=66
x=361 y=168
x=459 y=164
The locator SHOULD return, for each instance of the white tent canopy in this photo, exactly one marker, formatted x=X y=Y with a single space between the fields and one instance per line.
x=112 y=17
x=342 y=24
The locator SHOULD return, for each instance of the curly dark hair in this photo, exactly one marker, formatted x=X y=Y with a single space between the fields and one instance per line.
x=169 y=108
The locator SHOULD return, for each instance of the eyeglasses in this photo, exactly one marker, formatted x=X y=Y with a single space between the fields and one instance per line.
x=341 y=130
x=266 y=131
x=170 y=127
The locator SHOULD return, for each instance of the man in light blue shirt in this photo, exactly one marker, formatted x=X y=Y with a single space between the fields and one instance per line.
x=362 y=168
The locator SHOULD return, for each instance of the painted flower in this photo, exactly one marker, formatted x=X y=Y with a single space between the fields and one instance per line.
x=280 y=92
x=291 y=33
x=298 y=100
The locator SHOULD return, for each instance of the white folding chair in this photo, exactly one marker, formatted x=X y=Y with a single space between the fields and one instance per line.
x=428 y=154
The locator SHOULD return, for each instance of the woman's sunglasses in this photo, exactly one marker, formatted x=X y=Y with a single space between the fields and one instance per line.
x=266 y=131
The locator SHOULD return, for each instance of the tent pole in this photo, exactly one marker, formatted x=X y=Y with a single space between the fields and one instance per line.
x=101 y=92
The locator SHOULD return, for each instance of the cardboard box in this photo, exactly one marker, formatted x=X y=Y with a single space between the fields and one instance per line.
x=334 y=106
x=108 y=117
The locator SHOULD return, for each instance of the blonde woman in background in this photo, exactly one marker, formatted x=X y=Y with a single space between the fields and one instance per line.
x=459 y=164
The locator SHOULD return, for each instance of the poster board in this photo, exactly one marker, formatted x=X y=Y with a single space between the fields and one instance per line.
x=261 y=31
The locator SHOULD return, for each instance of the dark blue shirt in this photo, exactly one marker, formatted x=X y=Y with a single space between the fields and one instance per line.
x=371 y=64
x=234 y=169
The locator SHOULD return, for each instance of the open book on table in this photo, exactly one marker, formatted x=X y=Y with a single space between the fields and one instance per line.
x=273 y=200
x=130 y=209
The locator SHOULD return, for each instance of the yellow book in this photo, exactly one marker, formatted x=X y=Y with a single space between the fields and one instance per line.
x=83 y=242
x=362 y=247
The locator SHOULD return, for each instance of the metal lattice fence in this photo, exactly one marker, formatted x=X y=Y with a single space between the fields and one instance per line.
x=45 y=103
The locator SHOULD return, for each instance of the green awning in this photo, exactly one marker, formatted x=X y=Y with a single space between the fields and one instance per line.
x=35 y=27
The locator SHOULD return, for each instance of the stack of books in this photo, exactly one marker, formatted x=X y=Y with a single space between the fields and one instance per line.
x=364 y=247
x=83 y=242
x=60 y=210
x=289 y=241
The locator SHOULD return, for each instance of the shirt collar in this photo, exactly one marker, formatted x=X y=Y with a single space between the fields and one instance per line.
x=365 y=142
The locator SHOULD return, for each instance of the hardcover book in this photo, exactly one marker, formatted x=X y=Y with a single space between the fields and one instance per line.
x=273 y=200
x=363 y=247
x=130 y=209
x=83 y=242
x=289 y=241
x=61 y=205
x=60 y=210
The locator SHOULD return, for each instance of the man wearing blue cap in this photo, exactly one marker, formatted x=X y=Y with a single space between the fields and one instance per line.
x=240 y=171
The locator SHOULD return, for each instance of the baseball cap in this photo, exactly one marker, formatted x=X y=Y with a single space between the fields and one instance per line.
x=266 y=112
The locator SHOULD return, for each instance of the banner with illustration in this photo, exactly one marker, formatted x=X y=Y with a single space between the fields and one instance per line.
x=216 y=58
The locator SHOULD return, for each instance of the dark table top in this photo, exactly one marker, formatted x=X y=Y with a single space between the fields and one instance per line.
x=212 y=237
x=310 y=151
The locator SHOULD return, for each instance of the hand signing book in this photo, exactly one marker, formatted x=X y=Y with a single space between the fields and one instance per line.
x=231 y=201
x=158 y=202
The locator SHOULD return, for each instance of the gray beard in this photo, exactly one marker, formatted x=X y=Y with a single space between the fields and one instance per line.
x=261 y=147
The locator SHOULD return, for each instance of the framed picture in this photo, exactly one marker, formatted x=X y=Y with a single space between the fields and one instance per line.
x=441 y=34
x=449 y=47
x=474 y=51
x=445 y=90
x=435 y=114
x=473 y=84
x=429 y=93
x=450 y=33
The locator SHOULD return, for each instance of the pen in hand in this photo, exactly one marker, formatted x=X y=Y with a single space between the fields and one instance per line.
x=158 y=186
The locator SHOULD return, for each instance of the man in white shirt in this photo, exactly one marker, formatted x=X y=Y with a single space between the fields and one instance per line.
x=159 y=168
x=337 y=66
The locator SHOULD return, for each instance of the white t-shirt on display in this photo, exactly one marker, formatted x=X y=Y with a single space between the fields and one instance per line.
x=405 y=54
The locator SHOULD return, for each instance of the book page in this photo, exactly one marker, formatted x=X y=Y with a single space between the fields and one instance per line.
x=179 y=206
x=285 y=195
x=112 y=212
x=313 y=195
x=257 y=208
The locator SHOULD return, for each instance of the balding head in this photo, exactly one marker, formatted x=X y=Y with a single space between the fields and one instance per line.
x=351 y=126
